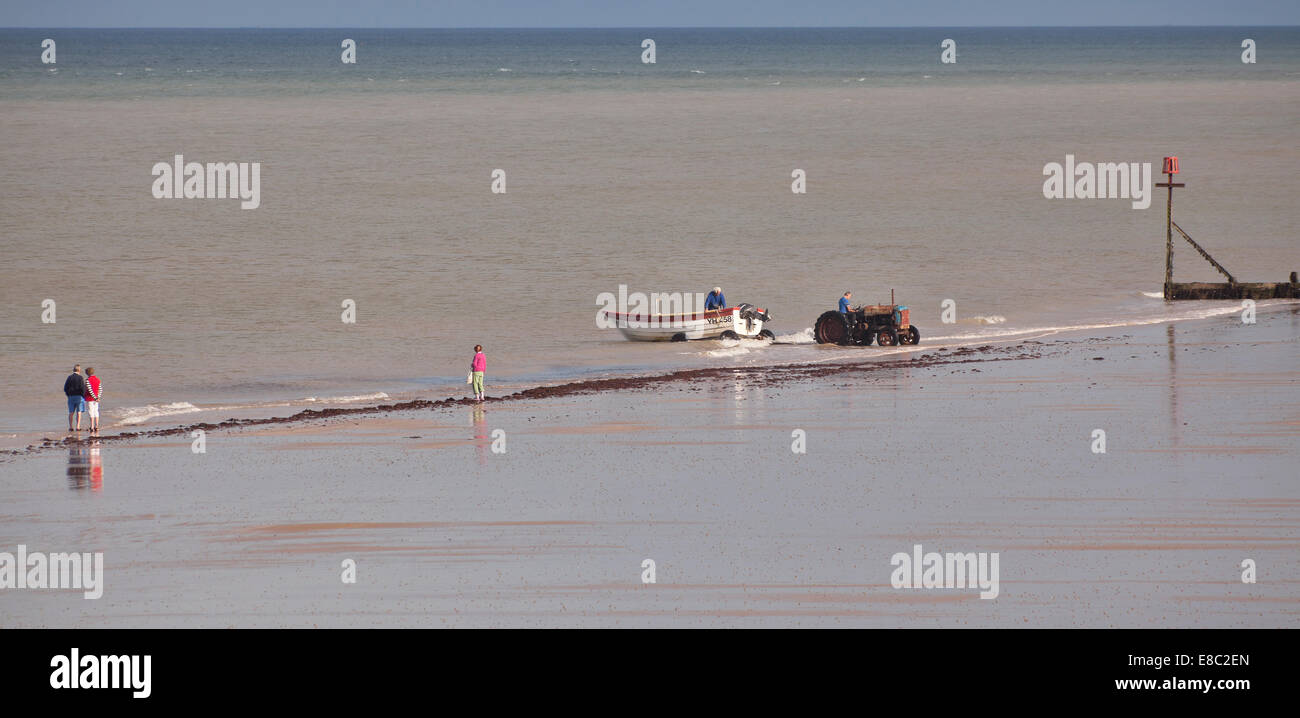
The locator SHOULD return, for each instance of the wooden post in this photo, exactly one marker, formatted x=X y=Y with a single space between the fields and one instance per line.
x=1169 y=239
x=1170 y=169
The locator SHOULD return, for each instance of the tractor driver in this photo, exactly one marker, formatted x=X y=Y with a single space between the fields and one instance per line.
x=850 y=317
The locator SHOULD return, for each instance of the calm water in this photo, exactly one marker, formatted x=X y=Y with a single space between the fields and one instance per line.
x=922 y=177
x=251 y=62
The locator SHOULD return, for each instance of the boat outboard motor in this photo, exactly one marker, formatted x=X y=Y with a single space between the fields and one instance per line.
x=749 y=311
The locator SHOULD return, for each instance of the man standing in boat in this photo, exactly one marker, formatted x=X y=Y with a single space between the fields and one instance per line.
x=715 y=300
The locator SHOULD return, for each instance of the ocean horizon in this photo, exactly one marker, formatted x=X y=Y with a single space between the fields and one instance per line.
x=133 y=62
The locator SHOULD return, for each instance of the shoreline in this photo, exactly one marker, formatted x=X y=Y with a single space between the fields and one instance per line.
x=775 y=373
x=771 y=374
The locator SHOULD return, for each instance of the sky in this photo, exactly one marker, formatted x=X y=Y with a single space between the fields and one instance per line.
x=642 y=13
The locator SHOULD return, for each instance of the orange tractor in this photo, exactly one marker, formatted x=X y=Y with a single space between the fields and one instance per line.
x=886 y=324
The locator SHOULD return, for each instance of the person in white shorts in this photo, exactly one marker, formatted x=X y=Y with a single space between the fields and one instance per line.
x=93 y=391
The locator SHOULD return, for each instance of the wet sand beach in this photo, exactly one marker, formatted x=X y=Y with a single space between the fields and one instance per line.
x=540 y=510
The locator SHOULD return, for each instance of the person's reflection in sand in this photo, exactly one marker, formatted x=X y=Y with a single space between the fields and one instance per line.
x=480 y=433
x=78 y=466
x=96 y=468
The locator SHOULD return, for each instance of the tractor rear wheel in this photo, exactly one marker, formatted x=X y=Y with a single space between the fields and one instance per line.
x=831 y=328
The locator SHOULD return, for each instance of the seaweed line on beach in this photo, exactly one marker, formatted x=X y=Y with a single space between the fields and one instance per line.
x=757 y=375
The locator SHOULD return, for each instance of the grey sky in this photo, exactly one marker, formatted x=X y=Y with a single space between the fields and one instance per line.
x=644 y=13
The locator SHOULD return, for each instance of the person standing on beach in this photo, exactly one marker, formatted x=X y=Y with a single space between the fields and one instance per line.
x=478 y=366
x=92 y=399
x=74 y=387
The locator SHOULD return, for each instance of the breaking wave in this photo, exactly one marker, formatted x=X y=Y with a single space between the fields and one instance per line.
x=132 y=415
x=803 y=337
x=348 y=399
x=139 y=414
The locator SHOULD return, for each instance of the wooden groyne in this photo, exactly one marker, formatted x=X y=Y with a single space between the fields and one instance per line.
x=1231 y=289
x=1225 y=290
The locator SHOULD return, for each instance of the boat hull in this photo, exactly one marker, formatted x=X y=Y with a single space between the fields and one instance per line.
x=670 y=327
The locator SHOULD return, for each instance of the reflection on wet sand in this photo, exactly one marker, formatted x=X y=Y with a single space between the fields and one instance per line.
x=85 y=467
x=1173 y=383
x=480 y=433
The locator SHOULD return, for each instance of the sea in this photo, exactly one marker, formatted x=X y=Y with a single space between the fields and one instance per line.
x=923 y=180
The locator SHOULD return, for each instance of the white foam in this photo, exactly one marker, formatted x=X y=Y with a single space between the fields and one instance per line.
x=738 y=347
x=1009 y=332
x=734 y=350
x=132 y=415
x=347 y=399
x=803 y=337
x=1154 y=295
x=140 y=414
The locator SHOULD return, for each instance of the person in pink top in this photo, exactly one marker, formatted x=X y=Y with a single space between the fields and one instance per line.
x=477 y=367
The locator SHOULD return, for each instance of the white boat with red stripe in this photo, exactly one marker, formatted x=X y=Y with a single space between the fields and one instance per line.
x=741 y=321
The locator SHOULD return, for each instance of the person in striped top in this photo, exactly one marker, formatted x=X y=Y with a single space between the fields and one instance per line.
x=93 y=391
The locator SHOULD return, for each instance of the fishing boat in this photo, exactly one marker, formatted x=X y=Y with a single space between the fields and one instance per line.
x=741 y=321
